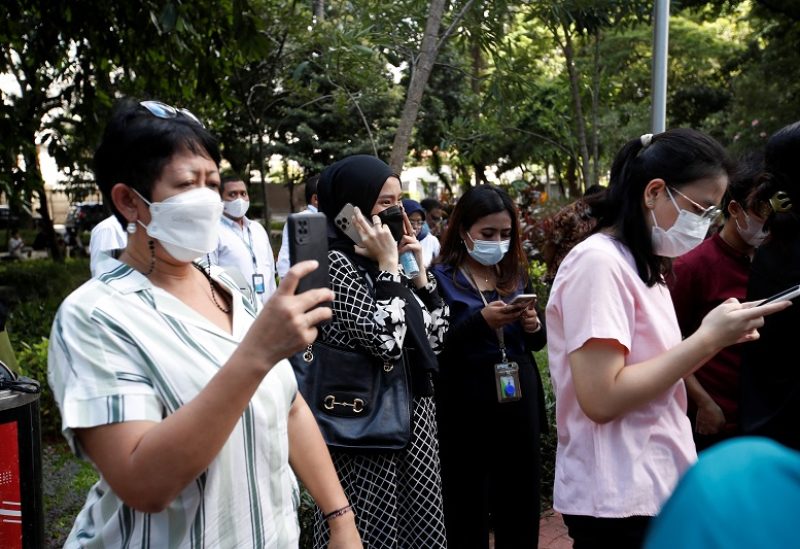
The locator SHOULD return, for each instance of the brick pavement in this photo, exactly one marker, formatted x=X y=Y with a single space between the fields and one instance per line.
x=552 y=532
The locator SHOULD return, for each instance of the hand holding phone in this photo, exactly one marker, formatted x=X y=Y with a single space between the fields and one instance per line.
x=523 y=301
x=786 y=295
x=308 y=239
x=344 y=222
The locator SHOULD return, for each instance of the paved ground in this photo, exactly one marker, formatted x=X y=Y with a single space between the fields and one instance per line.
x=552 y=532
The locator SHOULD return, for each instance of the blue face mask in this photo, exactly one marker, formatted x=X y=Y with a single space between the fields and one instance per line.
x=488 y=252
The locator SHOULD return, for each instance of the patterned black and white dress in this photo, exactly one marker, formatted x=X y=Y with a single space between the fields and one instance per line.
x=397 y=495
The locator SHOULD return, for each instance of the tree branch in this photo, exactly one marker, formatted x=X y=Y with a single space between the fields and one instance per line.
x=453 y=24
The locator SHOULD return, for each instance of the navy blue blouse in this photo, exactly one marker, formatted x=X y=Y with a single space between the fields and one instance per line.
x=466 y=364
x=469 y=334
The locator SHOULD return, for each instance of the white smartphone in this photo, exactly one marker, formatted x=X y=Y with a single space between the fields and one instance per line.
x=786 y=295
x=344 y=221
x=523 y=300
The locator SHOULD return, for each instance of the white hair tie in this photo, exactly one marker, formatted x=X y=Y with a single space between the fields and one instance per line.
x=646 y=139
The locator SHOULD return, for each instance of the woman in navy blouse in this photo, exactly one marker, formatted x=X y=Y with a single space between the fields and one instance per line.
x=489 y=394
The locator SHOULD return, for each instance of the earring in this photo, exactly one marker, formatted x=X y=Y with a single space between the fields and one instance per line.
x=131 y=228
x=650 y=204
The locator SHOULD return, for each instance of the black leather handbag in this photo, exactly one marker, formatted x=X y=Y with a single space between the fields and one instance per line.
x=360 y=403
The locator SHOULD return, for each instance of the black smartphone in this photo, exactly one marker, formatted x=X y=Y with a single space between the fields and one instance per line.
x=308 y=239
x=786 y=295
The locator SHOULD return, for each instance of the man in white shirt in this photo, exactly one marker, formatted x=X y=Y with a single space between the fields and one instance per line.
x=311 y=201
x=244 y=246
x=107 y=236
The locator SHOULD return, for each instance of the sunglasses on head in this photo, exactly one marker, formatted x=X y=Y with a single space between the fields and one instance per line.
x=162 y=110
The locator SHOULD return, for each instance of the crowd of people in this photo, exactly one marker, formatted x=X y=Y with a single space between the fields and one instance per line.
x=193 y=376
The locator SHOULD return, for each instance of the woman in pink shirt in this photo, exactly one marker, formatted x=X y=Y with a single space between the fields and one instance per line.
x=617 y=360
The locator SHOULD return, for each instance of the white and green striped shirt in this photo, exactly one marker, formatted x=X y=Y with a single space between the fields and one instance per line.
x=124 y=350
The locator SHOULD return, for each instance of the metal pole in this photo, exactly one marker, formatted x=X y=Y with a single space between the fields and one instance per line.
x=658 y=117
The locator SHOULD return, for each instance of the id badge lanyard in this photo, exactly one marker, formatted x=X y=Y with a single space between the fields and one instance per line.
x=258 y=279
x=506 y=374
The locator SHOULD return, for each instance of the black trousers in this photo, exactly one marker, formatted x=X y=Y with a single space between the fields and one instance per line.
x=490 y=475
x=604 y=533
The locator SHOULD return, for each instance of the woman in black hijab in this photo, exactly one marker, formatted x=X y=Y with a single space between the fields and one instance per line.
x=396 y=495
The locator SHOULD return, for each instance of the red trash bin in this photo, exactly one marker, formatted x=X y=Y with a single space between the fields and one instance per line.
x=21 y=506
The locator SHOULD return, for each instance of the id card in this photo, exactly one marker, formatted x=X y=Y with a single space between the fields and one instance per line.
x=506 y=378
x=258 y=283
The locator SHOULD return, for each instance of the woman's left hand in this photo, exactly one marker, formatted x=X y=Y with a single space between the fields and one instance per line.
x=344 y=534
x=409 y=243
x=530 y=320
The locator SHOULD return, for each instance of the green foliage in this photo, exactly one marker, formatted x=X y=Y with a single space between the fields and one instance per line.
x=536 y=272
x=32 y=361
x=67 y=480
x=306 y=518
x=549 y=439
x=35 y=289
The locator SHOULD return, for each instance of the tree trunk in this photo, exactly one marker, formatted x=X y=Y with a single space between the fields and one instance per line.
x=478 y=65
x=262 y=170
x=572 y=179
x=595 y=179
x=419 y=79
x=33 y=173
x=290 y=185
x=569 y=55
x=319 y=9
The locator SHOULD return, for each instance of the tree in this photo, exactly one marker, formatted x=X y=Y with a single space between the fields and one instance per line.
x=421 y=67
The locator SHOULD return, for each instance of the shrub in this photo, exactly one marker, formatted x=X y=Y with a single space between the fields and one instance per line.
x=34 y=290
x=32 y=360
x=305 y=515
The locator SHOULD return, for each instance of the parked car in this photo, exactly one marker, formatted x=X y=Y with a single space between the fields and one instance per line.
x=83 y=216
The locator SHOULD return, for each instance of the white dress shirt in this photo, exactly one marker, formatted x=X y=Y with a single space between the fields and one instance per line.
x=106 y=237
x=283 y=263
x=246 y=248
x=430 y=249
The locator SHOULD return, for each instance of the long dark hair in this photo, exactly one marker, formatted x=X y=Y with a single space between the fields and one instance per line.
x=476 y=203
x=744 y=182
x=782 y=175
x=679 y=156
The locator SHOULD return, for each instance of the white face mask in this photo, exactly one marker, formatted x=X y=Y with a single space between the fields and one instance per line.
x=687 y=232
x=753 y=233
x=236 y=208
x=186 y=224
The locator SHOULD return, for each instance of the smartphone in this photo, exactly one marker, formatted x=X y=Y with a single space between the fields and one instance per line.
x=308 y=239
x=344 y=221
x=523 y=300
x=785 y=295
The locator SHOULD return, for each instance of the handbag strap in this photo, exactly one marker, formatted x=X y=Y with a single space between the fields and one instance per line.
x=308 y=354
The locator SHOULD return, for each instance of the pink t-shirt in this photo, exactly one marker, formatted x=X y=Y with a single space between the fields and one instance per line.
x=628 y=466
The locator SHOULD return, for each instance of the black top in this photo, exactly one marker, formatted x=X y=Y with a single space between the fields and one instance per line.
x=770 y=403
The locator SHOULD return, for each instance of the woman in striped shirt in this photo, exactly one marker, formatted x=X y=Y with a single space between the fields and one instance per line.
x=167 y=377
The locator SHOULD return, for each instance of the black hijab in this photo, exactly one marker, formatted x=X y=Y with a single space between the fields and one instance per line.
x=358 y=179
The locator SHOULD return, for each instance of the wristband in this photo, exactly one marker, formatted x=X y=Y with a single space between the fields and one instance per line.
x=338 y=512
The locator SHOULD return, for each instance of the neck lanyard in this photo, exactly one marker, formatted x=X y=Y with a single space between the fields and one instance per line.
x=249 y=244
x=499 y=331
